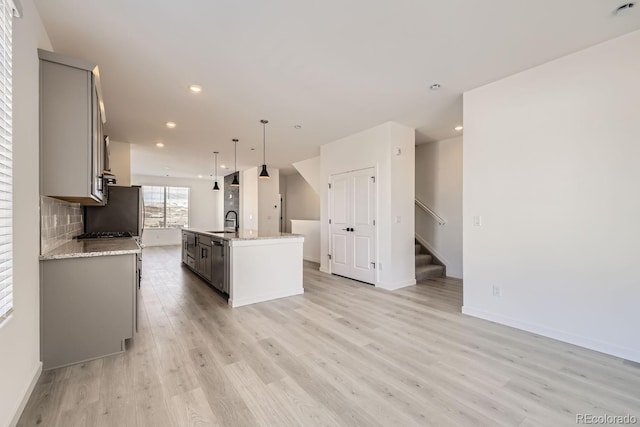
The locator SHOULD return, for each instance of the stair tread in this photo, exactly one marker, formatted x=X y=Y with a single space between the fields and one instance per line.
x=429 y=267
x=423 y=259
x=429 y=271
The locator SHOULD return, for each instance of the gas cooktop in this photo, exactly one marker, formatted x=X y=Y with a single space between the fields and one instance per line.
x=104 y=235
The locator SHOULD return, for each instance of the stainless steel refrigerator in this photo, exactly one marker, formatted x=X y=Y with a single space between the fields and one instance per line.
x=124 y=212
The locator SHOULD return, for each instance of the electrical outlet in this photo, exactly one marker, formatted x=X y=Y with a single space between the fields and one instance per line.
x=497 y=292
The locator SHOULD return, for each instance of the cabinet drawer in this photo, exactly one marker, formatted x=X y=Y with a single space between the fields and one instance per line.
x=191 y=262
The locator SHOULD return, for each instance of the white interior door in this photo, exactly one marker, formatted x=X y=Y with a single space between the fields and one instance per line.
x=340 y=213
x=352 y=199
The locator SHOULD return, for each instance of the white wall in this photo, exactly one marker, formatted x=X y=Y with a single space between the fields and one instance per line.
x=551 y=164
x=269 y=202
x=120 y=161
x=301 y=200
x=311 y=232
x=439 y=186
x=20 y=335
x=260 y=201
x=205 y=207
x=310 y=171
x=395 y=191
x=249 y=199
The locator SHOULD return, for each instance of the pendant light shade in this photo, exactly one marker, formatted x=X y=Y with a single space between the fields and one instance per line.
x=215 y=184
x=236 y=181
x=264 y=174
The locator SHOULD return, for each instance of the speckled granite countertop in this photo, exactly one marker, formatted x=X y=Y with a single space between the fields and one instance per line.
x=93 y=247
x=244 y=234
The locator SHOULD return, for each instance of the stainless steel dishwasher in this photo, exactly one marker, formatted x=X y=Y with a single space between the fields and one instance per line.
x=219 y=265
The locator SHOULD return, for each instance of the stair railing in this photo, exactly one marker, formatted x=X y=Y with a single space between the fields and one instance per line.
x=428 y=210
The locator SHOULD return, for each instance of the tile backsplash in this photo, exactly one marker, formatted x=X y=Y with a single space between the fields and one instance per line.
x=60 y=222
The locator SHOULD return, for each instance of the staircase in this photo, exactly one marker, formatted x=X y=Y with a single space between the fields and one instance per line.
x=427 y=266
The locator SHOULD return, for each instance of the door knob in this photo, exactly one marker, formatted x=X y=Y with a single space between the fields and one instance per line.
x=352 y=229
x=345 y=229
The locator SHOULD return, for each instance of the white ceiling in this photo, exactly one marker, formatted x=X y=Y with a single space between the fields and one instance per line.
x=335 y=67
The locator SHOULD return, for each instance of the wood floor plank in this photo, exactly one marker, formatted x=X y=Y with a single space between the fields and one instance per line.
x=267 y=410
x=342 y=354
x=306 y=409
x=191 y=409
x=222 y=395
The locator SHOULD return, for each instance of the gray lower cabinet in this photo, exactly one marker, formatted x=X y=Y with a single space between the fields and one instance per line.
x=219 y=266
x=185 y=242
x=203 y=263
x=88 y=307
x=209 y=258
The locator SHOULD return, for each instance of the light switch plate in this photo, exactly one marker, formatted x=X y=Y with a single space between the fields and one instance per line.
x=477 y=221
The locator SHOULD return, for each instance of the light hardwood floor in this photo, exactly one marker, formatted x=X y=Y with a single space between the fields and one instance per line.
x=342 y=354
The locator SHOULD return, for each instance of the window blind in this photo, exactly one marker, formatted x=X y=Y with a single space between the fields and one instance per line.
x=8 y=9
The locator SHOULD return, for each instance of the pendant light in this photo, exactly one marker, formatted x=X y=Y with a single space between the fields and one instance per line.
x=263 y=173
x=215 y=185
x=235 y=182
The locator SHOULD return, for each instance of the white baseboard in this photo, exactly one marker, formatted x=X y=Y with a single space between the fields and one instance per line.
x=603 y=347
x=316 y=260
x=239 y=302
x=396 y=285
x=26 y=395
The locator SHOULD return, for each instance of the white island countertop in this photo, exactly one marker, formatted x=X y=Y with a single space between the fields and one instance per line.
x=243 y=234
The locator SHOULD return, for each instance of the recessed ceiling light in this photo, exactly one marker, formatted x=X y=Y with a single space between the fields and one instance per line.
x=159 y=144
x=195 y=88
x=167 y=168
x=252 y=149
x=458 y=128
x=171 y=125
x=223 y=166
x=199 y=176
x=435 y=86
x=297 y=127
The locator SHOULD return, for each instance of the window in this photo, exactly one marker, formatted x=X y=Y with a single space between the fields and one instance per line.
x=165 y=207
x=6 y=158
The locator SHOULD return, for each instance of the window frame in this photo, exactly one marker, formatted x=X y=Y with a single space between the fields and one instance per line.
x=164 y=221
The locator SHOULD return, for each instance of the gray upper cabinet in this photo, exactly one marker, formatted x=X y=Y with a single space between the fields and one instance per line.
x=71 y=130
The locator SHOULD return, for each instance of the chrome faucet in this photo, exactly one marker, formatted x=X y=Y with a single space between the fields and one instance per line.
x=236 y=223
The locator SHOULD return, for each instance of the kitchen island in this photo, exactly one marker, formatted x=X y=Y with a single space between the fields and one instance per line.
x=250 y=266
